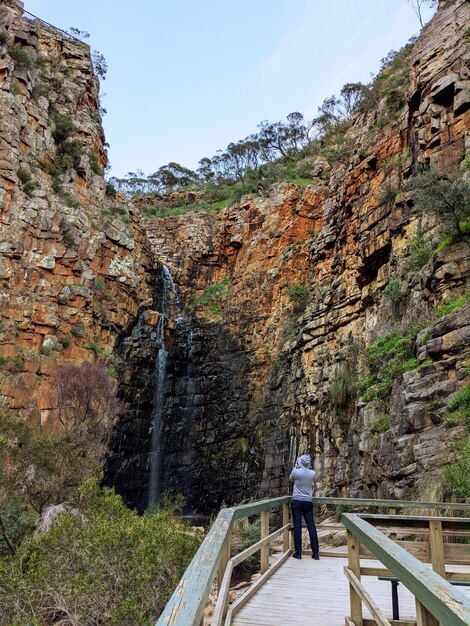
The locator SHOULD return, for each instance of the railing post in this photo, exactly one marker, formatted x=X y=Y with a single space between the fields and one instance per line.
x=354 y=563
x=437 y=548
x=224 y=560
x=424 y=617
x=285 y=521
x=265 y=548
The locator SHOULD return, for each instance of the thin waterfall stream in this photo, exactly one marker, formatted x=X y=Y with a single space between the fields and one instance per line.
x=170 y=301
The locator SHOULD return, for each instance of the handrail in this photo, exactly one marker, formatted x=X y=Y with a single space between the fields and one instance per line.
x=393 y=504
x=448 y=605
x=186 y=605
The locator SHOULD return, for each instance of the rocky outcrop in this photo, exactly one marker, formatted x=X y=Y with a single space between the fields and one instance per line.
x=75 y=264
x=340 y=244
x=281 y=294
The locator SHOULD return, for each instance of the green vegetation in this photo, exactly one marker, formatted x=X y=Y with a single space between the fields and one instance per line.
x=63 y=127
x=94 y=165
x=390 y=355
x=116 y=211
x=210 y=300
x=460 y=408
x=343 y=387
x=380 y=423
x=455 y=304
x=98 y=561
x=11 y=363
x=420 y=252
x=111 y=191
x=281 y=151
x=92 y=557
x=388 y=195
x=66 y=341
x=298 y=295
x=395 y=290
x=22 y=58
x=456 y=476
x=98 y=350
x=248 y=535
x=27 y=183
x=159 y=209
x=446 y=196
x=3 y=37
x=78 y=330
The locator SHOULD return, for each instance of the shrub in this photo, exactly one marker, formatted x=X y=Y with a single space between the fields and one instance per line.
x=64 y=127
x=72 y=148
x=23 y=175
x=78 y=330
x=19 y=519
x=395 y=290
x=460 y=407
x=456 y=476
x=454 y=305
x=101 y=563
x=248 y=536
x=212 y=296
x=420 y=252
x=447 y=196
x=111 y=191
x=344 y=386
x=47 y=467
x=380 y=423
x=388 y=195
x=22 y=58
x=3 y=37
x=390 y=355
x=95 y=167
x=298 y=295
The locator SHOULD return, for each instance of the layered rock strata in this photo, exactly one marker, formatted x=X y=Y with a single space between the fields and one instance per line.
x=343 y=242
x=75 y=264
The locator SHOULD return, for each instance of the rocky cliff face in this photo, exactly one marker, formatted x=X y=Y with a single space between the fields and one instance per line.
x=75 y=265
x=302 y=281
x=280 y=294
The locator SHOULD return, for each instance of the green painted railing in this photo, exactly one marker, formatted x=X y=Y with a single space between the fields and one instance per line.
x=186 y=605
x=445 y=603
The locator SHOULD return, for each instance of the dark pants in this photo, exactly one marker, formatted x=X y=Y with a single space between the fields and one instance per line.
x=303 y=508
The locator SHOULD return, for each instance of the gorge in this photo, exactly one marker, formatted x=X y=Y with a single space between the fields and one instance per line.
x=297 y=319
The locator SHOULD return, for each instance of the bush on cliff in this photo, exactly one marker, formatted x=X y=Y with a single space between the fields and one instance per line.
x=97 y=563
x=445 y=195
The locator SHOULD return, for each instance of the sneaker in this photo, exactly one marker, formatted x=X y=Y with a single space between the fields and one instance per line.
x=316 y=557
x=296 y=556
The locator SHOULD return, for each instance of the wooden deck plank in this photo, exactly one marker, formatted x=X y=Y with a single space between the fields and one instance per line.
x=317 y=593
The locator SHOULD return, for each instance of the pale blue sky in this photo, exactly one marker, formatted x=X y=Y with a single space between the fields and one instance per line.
x=186 y=77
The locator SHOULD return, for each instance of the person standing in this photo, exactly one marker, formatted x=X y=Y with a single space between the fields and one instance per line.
x=303 y=478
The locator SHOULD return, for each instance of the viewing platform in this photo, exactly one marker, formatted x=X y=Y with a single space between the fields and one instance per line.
x=396 y=570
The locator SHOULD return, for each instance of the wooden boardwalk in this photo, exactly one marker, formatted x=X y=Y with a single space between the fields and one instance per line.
x=316 y=593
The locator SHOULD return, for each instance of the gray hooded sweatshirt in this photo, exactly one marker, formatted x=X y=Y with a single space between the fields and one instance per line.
x=303 y=479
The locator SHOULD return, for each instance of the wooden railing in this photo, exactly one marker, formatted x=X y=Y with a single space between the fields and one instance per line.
x=186 y=605
x=437 y=600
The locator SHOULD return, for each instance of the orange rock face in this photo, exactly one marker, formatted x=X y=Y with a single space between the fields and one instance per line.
x=73 y=270
x=343 y=244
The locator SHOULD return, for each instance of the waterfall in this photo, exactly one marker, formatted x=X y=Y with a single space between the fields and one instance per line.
x=169 y=300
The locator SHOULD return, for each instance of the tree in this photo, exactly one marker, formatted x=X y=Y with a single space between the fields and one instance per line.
x=445 y=195
x=417 y=6
x=99 y=64
x=43 y=467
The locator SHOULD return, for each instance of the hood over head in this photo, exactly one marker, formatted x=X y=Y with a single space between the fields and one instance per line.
x=304 y=461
